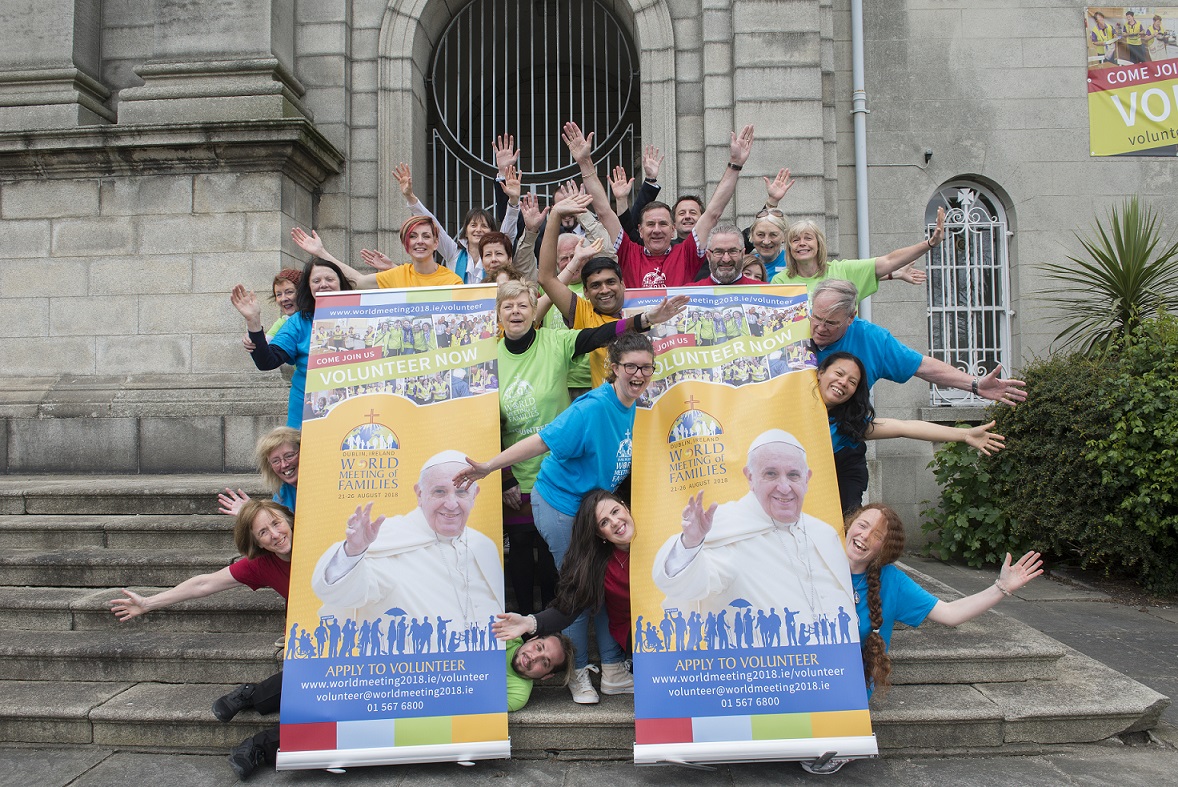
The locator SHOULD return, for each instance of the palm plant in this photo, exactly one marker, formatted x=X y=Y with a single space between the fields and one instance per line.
x=1128 y=277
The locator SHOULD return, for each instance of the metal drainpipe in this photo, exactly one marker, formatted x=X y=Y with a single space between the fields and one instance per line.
x=859 y=112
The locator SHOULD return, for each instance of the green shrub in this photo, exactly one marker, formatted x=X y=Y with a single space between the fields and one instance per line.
x=1037 y=492
x=1090 y=473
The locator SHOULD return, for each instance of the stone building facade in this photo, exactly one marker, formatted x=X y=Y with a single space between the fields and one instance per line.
x=155 y=152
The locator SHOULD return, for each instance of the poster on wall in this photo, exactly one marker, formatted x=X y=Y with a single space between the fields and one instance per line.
x=1132 y=80
x=745 y=640
x=396 y=575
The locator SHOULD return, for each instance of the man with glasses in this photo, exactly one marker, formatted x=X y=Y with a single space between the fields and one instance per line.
x=725 y=258
x=834 y=327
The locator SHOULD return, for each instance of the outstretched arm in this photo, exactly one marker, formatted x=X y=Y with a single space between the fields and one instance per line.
x=314 y=246
x=1009 y=391
x=1011 y=579
x=580 y=146
x=895 y=260
x=980 y=437
x=529 y=447
x=738 y=153
x=134 y=605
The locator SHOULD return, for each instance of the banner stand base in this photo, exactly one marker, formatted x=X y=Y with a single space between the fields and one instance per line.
x=393 y=755
x=694 y=754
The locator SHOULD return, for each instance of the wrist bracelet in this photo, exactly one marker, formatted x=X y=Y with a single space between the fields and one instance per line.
x=929 y=241
x=650 y=180
x=535 y=625
x=973 y=386
x=888 y=277
x=737 y=167
x=1005 y=592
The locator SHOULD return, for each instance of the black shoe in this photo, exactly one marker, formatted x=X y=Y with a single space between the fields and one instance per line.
x=245 y=758
x=228 y=706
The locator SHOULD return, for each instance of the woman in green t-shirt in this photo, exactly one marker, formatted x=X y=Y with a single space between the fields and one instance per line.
x=806 y=263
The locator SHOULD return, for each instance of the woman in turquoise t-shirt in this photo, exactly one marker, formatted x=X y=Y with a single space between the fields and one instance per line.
x=885 y=594
x=591 y=447
x=806 y=263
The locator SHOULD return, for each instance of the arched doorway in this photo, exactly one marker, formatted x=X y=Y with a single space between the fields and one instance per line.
x=525 y=67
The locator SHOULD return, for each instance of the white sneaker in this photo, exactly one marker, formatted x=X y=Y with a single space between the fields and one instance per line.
x=581 y=687
x=616 y=679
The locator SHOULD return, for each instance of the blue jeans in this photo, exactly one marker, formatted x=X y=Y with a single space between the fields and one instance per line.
x=557 y=528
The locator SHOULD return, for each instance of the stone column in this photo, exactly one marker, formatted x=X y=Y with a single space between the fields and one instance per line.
x=217 y=60
x=49 y=72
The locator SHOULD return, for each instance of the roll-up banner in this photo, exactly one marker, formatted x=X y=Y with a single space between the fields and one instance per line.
x=745 y=648
x=396 y=576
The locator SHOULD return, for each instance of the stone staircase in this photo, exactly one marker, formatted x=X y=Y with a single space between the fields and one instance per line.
x=73 y=674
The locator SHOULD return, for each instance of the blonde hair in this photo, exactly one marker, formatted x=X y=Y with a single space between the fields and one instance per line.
x=796 y=229
x=275 y=438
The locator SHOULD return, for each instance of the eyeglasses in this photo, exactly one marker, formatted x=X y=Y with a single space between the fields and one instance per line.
x=722 y=253
x=284 y=459
x=770 y=212
x=646 y=369
x=825 y=322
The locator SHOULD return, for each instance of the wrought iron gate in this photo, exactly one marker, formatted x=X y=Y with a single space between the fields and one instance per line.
x=968 y=288
x=524 y=67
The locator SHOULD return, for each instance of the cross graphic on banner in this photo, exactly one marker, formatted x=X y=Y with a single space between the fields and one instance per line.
x=372 y=415
x=692 y=402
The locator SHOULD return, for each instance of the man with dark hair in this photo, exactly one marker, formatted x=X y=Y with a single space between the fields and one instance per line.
x=656 y=263
x=536 y=659
x=603 y=291
x=685 y=214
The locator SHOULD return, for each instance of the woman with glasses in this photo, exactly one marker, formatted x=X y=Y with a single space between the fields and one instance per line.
x=806 y=263
x=278 y=462
x=590 y=446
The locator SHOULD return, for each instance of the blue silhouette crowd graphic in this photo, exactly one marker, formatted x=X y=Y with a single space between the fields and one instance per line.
x=403 y=636
x=746 y=628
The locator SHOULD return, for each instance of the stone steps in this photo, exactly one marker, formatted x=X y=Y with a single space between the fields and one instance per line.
x=73 y=673
x=85 y=609
x=162 y=531
x=120 y=494
x=136 y=656
x=98 y=567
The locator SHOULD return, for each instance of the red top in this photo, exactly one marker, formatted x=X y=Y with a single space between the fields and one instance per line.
x=678 y=267
x=708 y=282
x=617 y=596
x=264 y=571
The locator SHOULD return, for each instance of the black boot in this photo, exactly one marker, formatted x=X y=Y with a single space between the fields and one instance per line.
x=228 y=706
x=246 y=757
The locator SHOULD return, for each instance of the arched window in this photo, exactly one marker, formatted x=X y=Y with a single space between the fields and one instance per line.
x=968 y=286
x=525 y=67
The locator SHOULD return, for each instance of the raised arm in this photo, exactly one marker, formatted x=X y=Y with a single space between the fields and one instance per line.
x=447 y=246
x=562 y=297
x=314 y=246
x=738 y=153
x=1009 y=391
x=581 y=147
x=980 y=437
x=134 y=605
x=1010 y=579
x=895 y=260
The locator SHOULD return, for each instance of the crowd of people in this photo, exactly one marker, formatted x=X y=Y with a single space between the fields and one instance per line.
x=571 y=370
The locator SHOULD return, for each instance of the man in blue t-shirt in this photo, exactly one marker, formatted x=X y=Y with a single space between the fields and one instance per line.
x=834 y=327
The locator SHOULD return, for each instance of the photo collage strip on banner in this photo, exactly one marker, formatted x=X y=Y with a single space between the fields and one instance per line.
x=397 y=576
x=746 y=647
x=1132 y=80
